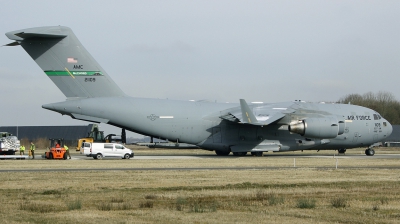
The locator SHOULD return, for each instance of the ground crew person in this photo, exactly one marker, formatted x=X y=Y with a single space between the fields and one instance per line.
x=33 y=150
x=67 y=151
x=22 y=150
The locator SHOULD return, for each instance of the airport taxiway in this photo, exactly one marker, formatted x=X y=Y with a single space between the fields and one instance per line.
x=266 y=155
x=203 y=156
x=351 y=156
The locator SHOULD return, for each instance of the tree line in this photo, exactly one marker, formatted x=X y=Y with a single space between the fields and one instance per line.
x=382 y=102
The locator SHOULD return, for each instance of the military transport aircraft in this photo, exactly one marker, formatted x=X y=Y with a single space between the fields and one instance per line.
x=224 y=127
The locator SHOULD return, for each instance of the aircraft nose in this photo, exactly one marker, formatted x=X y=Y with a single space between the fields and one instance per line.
x=389 y=128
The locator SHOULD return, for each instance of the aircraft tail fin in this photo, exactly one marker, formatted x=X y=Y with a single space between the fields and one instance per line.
x=65 y=61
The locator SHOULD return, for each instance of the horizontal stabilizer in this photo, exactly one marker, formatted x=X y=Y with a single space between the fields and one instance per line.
x=15 y=43
x=37 y=33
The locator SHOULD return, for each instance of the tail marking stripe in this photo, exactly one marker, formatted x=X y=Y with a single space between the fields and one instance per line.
x=66 y=69
x=67 y=72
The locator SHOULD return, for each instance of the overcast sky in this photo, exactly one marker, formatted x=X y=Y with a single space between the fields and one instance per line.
x=267 y=51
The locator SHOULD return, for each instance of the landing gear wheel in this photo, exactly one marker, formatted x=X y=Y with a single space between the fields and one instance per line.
x=240 y=153
x=369 y=152
x=222 y=153
x=342 y=151
x=257 y=153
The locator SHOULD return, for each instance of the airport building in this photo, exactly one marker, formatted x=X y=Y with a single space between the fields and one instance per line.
x=70 y=134
x=394 y=139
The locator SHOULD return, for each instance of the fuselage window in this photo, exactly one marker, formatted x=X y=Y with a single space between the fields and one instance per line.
x=384 y=124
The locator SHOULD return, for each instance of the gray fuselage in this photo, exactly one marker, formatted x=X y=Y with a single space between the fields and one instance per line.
x=199 y=123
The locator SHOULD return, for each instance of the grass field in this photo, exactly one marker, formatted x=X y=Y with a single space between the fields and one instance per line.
x=307 y=194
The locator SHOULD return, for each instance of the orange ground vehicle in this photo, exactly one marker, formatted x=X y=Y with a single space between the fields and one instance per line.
x=57 y=150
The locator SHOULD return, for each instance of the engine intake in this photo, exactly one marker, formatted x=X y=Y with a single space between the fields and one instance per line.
x=316 y=128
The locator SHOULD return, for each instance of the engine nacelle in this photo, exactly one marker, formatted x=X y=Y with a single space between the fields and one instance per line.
x=342 y=126
x=326 y=127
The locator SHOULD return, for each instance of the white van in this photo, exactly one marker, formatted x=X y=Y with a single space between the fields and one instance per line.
x=100 y=150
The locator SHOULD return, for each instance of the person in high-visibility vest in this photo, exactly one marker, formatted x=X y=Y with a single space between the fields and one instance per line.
x=22 y=150
x=67 y=151
x=33 y=150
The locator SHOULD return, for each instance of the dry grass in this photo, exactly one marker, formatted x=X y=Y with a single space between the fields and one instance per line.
x=202 y=196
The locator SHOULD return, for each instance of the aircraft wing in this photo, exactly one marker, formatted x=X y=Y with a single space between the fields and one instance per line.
x=257 y=114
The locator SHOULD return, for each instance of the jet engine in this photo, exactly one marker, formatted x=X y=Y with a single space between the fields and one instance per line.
x=326 y=127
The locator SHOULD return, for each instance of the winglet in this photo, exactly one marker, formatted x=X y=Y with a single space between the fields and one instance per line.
x=247 y=114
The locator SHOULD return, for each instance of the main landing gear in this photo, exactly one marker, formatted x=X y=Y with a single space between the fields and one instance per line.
x=239 y=153
x=370 y=152
x=342 y=151
x=257 y=153
x=222 y=153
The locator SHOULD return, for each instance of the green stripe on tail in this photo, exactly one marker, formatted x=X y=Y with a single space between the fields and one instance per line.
x=74 y=73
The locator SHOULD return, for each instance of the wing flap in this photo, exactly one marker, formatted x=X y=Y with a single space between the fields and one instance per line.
x=256 y=114
x=230 y=117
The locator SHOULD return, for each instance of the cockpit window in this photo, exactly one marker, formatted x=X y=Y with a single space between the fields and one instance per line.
x=377 y=117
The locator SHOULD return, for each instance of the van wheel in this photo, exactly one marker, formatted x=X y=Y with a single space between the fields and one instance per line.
x=99 y=156
x=127 y=156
